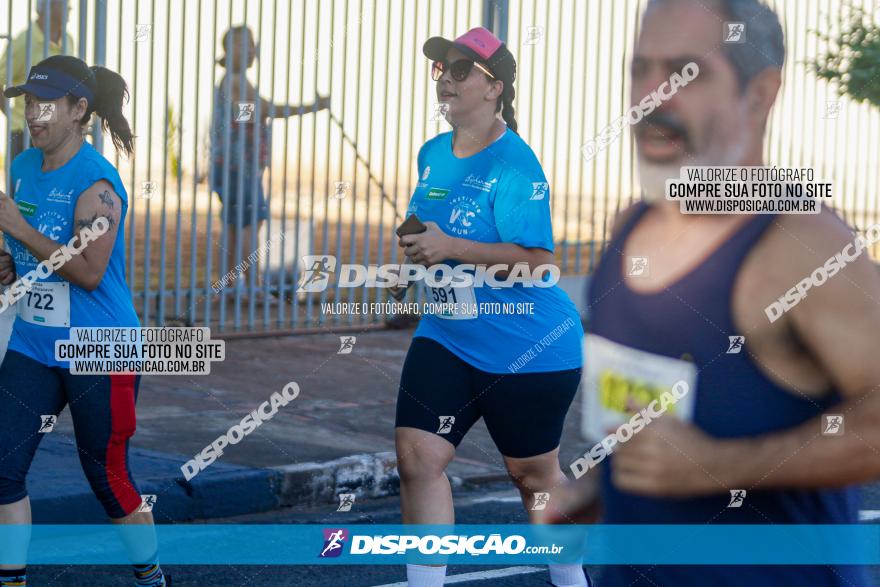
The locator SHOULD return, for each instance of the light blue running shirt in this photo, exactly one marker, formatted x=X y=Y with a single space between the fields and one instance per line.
x=47 y=201
x=497 y=195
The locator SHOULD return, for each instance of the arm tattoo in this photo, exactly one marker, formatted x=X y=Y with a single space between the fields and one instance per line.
x=87 y=222
x=107 y=199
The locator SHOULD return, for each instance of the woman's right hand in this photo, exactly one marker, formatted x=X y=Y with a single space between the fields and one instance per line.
x=7 y=268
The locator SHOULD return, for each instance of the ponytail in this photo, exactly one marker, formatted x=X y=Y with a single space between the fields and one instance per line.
x=111 y=94
x=104 y=90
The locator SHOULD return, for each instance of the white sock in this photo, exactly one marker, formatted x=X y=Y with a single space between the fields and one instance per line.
x=568 y=575
x=425 y=576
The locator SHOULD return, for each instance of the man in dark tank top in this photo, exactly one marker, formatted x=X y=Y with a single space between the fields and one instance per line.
x=770 y=320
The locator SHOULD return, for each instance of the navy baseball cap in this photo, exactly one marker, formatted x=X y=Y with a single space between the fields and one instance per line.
x=55 y=77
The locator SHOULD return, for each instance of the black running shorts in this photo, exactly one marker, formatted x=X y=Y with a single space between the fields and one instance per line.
x=442 y=394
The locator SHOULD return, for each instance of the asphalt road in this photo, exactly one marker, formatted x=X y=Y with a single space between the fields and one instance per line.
x=497 y=504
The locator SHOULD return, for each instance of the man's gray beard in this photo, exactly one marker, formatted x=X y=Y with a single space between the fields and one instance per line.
x=652 y=178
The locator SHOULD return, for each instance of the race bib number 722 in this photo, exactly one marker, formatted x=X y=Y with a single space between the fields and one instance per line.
x=47 y=303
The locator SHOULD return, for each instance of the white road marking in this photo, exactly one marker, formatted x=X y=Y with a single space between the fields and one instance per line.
x=481 y=575
x=500 y=499
x=869 y=515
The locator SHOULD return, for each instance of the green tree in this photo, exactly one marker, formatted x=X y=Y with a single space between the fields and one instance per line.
x=852 y=62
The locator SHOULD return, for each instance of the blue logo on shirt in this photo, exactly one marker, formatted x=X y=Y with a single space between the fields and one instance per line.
x=464 y=210
x=52 y=224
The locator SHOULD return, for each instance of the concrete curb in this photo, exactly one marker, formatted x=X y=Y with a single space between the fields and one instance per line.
x=365 y=475
x=61 y=495
x=223 y=494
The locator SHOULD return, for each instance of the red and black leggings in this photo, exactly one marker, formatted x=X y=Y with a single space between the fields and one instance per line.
x=102 y=408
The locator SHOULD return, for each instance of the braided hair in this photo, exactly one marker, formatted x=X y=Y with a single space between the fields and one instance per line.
x=505 y=105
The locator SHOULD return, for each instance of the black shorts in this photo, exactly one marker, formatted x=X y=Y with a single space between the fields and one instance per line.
x=234 y=199
x=524 y=412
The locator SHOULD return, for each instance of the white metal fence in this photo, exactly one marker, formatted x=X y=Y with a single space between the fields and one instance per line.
x=340 y=178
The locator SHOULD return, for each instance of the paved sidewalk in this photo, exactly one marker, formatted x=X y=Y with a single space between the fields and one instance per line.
x=336 y=437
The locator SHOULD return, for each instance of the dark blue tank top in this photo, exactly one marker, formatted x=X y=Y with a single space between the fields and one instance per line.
x=693 y=316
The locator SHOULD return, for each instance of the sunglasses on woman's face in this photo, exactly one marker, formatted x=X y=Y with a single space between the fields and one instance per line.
x=459 y=70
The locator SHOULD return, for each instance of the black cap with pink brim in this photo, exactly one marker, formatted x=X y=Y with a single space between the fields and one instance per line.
x=480 y=45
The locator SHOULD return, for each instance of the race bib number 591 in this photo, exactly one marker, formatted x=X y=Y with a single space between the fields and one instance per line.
x=452 y=303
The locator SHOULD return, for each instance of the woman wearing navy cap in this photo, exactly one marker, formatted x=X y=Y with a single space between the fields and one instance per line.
x=63 y=188
x=485 y=201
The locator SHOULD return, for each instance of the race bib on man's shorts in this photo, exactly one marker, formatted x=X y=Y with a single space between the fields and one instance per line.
x=614 y=374
x=47 y=303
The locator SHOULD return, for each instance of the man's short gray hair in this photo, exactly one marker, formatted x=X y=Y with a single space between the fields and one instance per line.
x=764 y=44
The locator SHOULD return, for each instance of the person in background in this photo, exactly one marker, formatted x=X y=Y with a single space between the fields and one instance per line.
x=237 y=165
x=51 y=17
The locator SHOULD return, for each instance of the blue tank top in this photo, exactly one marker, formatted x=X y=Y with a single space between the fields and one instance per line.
x=47 y=201
x=734 y=399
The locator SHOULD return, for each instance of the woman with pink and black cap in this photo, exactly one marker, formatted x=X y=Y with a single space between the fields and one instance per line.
x=485 y=201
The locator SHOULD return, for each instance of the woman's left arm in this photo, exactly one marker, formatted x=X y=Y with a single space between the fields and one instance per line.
x=85 y=269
